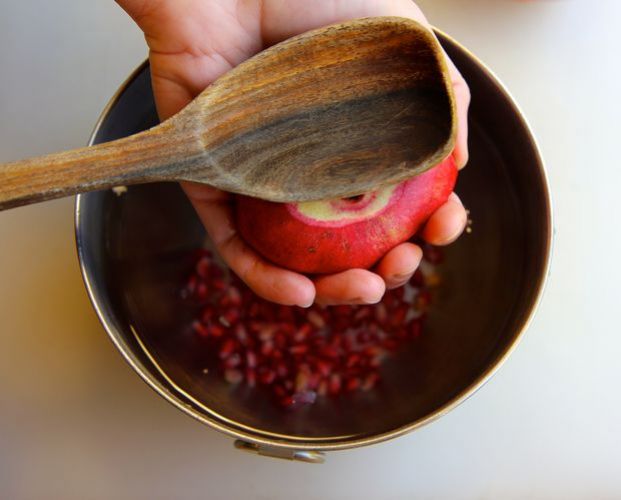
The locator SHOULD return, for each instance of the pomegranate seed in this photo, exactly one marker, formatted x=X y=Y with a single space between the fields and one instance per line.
x=218 y=284
x=251 y=359
x=287 y=329
x=399 y=314
x=281 y=370
x=329 y=352
x=227 y=348
x=316 y=319
x=241 y=333
x=390 y=344
x=376 y=361
x=352 y=384
x=301 y=381
x=267 y=348
x=298 y=349
x=313 y=381
x=302 y=354
x=233 y=376
x=287 y=314
x=380 y=313
x=401 y=333
x=253 y=311
x=199 y=328
x=203 y=266
x=280 y=340
x=232 y=298
x=208 y=314
x=216 y=330
x=324 y=368
x=266 y=332
x=363 y=312
x=267 y=377
x=363 y=337
x=230 y=317
x=352 y=360
x=342 y=310
x=369 y=381
x=287 y=401
x=303 y=332
x=347 y=342
x=334 y=384
x=201 y=291
x=232 y=360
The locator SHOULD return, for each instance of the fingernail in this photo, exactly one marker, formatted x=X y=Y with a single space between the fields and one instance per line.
x=306 y=305
x=450 y=239
x=357 y=301
x=455 y=197
x=401 y=277
x=397 y=284
x=373 y=300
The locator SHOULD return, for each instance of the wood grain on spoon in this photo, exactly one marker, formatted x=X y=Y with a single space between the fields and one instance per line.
x=333 y=112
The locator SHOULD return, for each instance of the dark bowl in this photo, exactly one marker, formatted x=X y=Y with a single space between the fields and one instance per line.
x=133 y=252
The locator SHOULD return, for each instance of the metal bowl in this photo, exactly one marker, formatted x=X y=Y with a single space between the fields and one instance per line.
x=132 y=252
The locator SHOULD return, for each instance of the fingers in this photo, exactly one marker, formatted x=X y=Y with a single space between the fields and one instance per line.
x=354 y=286
x=398 y=265
x=462 y=103
x=447 y=223
x=265 y=279
x=282 y=19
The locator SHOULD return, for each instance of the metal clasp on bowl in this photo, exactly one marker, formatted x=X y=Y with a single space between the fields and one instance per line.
x=309 y=456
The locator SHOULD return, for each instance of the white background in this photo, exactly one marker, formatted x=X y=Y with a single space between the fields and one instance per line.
x=77 y=423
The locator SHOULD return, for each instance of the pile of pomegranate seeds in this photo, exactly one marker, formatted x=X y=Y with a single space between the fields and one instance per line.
x=303 y=354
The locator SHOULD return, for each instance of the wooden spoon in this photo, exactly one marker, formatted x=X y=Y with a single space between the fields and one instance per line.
x=330 y=113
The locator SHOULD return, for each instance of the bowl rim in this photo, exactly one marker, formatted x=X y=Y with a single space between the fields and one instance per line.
x=324 y=444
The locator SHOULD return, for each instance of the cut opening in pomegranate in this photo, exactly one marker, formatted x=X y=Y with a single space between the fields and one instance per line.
x=354 y=199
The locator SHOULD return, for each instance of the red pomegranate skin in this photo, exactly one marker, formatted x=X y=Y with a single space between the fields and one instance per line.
x=335 y=235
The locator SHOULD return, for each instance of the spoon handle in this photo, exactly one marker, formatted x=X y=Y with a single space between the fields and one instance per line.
x=152 y=155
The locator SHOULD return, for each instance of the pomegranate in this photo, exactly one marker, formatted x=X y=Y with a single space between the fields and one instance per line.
x=335 y=235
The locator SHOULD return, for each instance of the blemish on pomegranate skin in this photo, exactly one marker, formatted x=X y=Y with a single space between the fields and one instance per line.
x=300 y=356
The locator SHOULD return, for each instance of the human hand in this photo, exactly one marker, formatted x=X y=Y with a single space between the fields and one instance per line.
x=192 y=43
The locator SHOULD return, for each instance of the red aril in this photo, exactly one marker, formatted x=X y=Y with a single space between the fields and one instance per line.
x=301 y=355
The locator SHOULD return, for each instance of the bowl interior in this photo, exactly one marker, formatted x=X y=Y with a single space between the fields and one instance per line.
x=134 y=249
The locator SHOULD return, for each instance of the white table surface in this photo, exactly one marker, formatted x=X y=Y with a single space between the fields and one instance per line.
x=77 y=423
